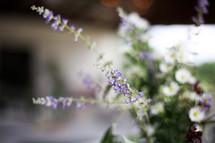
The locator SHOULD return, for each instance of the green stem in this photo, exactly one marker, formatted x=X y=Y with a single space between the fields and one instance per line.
x=147 y=117
x=95 y=101
x=208 y=122
x=148 y=137
x=117 y=121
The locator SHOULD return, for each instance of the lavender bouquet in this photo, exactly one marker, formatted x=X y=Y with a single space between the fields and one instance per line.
x=161 y=94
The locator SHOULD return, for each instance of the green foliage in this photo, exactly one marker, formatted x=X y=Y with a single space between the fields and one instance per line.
x=206 y=74
x=107 y=89
x=109 y=137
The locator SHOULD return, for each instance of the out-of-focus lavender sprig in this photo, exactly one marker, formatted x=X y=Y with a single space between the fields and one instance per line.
x=65 y=102
x=61 y=24
x=146 y=55
x=51 y=101
x=88 y=81
x=132 y=25
x=205 y=101
x=120 y=85
x=201 y=8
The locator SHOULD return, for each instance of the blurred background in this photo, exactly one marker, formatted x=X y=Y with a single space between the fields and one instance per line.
x=38 y=61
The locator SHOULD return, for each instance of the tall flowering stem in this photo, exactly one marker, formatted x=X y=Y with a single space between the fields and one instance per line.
x=201 y=8
x=62 y=24
x=120 y=85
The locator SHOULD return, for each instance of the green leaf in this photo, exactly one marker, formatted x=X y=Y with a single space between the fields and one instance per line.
x=107 y=89
x=109 y=137
x=127 y=140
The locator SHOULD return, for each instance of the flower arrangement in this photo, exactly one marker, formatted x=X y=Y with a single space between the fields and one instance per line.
x=161 y=94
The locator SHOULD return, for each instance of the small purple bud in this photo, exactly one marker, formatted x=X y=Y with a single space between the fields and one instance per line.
x=127 y=100
x=149 y=100
x=141 y=93
x=73 y=27
x=201 y=101
x=78 y=105
x=49 y=17
x=132 y=101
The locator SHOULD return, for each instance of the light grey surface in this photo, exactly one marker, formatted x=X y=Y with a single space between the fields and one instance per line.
x=82 y=126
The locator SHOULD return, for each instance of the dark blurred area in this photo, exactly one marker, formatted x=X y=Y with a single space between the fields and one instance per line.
x=37 y=61
x=103 y=11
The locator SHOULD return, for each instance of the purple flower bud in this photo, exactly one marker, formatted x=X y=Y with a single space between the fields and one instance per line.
x=64 y=21
x=127 y=100
x=141 y=93
x=73 y=27
x=132 y=101
x=124 y=23
x=78 y=105
x=149 y=100
x=49 y=17
x=55 y=25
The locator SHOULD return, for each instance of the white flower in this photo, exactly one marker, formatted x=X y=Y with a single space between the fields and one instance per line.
x=194 y=96
x=150 y=130
x=170 y=56
x=138 y=21
x=171 y=90
x=164 y=67
x=178 y=53
x=192 y=80
x=157 y=108
x=183 y=75
x=196 y=114
x=181 y=54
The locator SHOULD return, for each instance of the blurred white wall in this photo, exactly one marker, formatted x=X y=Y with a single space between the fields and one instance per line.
x=49 y=45
x=203 y=43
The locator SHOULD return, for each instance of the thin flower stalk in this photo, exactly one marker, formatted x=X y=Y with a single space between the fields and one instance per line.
x=65 y=102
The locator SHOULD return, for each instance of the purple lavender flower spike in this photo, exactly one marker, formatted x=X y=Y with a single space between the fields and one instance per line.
x=55 y=25
x=49 y=17
x=78 y=34
x=201 y=9
x=64 y=21
x=140 y=95
x=205 y=101
x=46 y=13
x=120 y=85
x=51 y=101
